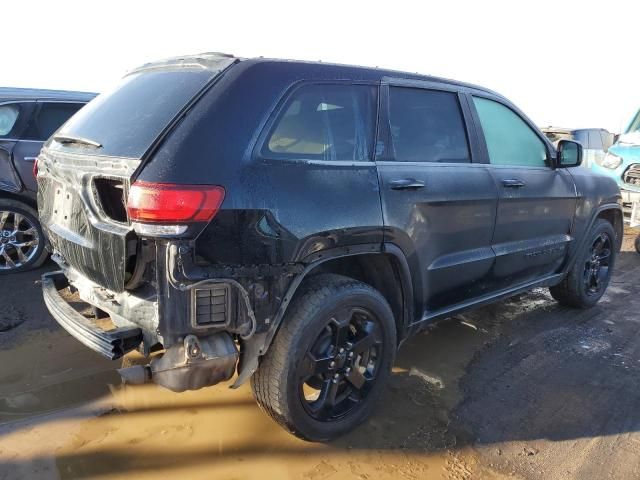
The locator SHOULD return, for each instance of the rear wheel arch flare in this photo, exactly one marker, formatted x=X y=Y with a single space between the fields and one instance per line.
x=385 y=272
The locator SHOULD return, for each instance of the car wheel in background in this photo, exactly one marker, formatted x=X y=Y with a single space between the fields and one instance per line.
x=22 y=243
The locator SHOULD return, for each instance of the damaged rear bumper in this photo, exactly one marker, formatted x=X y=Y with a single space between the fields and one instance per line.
x=113 y=344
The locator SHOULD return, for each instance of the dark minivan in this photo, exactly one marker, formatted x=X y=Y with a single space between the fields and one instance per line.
x=27 y=118
x=294 y=222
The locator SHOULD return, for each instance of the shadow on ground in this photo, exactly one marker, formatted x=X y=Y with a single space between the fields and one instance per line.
x=524 y=369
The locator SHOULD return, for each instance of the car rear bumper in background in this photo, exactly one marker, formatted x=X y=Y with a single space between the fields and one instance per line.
x=629 y=197
x=113 y=343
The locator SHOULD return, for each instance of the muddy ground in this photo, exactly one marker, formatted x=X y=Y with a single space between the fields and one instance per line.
x=520 y=389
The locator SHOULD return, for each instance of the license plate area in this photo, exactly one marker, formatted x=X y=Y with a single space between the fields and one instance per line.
x=62 y=206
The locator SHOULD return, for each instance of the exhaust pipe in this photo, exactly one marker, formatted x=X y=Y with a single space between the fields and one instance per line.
x=193 y=364
x=135 y=375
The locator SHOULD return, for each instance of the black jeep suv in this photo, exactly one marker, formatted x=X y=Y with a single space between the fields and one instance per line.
x=295 y=222
x=27 y=118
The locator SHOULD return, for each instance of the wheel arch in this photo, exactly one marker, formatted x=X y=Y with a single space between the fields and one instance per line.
x=615 y=217
x=612 y=212
x=31 y=202
x=384 y=267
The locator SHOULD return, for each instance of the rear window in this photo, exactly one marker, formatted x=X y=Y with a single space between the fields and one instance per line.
x=325 y=122
x=128 y=119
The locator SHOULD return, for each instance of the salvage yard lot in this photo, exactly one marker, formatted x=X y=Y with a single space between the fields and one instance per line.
x=520 y=389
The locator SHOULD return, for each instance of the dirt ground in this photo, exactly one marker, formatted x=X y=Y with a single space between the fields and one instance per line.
x=520 y=389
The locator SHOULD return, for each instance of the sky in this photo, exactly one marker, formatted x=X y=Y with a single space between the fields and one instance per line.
x=568 y=64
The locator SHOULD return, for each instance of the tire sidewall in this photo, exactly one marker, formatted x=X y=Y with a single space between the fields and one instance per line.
x=320 y=431
x=30 y=213
x=602 y=226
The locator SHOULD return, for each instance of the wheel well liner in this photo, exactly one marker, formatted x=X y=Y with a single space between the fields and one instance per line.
x=387 y=271
x=615 y=218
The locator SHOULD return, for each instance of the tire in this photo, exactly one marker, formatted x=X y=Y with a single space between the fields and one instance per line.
x=585 y=283
x=31 y=255
x=637 y=244
x=309 y=340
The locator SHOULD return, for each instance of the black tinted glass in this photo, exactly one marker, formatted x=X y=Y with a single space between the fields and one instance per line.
x=126 y=120
x=427 y=126
x=48 y=118
x=326 y=122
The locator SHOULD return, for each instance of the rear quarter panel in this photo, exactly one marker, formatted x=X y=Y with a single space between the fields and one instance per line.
x=274 y=211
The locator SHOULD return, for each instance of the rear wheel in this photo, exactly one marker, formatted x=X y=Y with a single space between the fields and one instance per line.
x=589 y=277
x=21 y=237
x=637 y=244
x=329 y=361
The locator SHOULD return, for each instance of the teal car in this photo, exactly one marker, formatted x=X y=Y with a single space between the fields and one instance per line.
x=622 y=163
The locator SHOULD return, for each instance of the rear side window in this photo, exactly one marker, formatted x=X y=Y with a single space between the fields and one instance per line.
x=427 y=126
x=325 y=122
x=48 y=118
x=8 y=118
x=510 y=140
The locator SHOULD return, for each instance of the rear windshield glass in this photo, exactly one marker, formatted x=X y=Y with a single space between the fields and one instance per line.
x=127 y=119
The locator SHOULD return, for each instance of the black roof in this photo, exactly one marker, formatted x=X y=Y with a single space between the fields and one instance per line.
x=364 y=72
x=7 y=93
x=321 y=69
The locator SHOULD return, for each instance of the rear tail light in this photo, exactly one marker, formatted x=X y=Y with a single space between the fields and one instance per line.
x=168 y=209
x=35 y=168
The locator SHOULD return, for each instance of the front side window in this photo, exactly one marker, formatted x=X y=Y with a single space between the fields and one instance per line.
x=427 y=126
x=48 y=118
x=325 y=122
x=510 y=140
x=8 y=118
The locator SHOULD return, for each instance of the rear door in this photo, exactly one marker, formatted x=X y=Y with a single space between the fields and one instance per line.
x=536 y=202
x=438 y=204
x=46 y=118
x=13 y=119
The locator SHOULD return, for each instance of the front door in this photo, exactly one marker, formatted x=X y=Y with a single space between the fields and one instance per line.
x=438 y=206
x=536 y=202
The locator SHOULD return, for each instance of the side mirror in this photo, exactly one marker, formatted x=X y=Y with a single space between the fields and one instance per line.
x=569 y=154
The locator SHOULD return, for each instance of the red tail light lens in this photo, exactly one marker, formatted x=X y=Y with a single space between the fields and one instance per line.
x=35 y=168
x=170 y=203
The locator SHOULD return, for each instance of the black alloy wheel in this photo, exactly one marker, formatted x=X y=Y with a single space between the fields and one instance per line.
x=339 y=369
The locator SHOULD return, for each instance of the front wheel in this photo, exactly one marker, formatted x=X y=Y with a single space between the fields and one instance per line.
x=589 y=277
x=330 y=359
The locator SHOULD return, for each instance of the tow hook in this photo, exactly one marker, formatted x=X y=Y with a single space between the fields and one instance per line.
x=190 y=365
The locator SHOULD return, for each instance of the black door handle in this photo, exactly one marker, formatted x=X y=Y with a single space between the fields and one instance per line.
x=513 y=183
x=406 y=184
